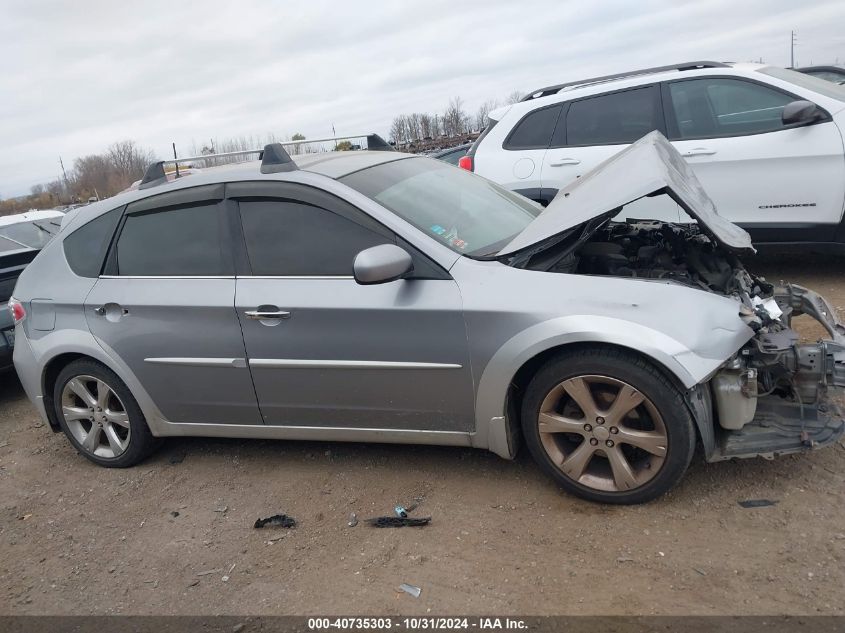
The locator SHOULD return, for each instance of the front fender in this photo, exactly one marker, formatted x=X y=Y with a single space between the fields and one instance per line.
x=689 y=367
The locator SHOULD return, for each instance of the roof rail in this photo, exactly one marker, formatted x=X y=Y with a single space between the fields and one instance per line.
x=274 y=158
x=550 y=90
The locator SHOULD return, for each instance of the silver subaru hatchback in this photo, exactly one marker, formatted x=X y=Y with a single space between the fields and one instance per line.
x=375 y=296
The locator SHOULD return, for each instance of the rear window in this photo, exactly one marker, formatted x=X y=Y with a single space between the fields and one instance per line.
x=33 y=234
x=618 y=118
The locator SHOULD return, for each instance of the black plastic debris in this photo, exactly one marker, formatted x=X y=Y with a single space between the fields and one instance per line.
x=277 y=520
x=397 y=522
x=757 y=503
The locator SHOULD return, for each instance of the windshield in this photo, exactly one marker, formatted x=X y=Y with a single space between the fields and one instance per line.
x=826 y=88
x=467 y=213
x=34 y=234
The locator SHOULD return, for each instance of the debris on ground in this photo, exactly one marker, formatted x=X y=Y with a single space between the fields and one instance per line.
x=353 y=520
x=757 y=503
x=209 y=572
x=174 y=514
x=222 y=509
x=277 y=520
x=178 y=457
x=397 y=522
x=700 y=571
x=228 y=573
x=410 y=589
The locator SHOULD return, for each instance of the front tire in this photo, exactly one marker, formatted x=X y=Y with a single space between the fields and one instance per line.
x=100 y=416
x=608 y=426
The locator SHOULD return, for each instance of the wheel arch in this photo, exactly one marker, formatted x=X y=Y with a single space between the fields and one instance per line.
x=66 y=347
x=498 y=397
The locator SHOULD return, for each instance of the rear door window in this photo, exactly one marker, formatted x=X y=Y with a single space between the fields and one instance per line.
x=617 y=118
x=182 y=241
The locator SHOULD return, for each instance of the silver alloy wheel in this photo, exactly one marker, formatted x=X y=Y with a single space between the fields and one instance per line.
x=95 y=416
x=602 y=433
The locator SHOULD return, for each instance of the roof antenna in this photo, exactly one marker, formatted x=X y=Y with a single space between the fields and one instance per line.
x=175 y=157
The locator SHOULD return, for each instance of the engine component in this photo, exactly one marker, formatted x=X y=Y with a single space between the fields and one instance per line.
x=735 y=391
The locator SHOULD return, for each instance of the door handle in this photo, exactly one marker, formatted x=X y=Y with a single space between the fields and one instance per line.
x=261 y=315
x=558 y=162
x=699 y=151
x=103 y=309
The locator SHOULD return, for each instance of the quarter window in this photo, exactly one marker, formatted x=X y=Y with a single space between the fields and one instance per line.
x=179 y=242
x=612 y=119
x=724 y=107
x=535 y=130
x=291 y=238
x=86 y=247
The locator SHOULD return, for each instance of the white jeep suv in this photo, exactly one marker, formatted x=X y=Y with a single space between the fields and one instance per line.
x=766 y=143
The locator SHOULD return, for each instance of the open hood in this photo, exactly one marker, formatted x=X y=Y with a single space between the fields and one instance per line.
x=649 y=166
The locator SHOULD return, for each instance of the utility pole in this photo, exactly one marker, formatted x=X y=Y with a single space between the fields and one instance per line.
x=792 y=39
x=64 y=174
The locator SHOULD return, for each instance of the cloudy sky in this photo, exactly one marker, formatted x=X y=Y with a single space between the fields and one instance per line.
x=77 y=76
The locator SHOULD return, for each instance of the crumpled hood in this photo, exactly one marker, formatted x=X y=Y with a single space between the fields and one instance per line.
x=649 y=166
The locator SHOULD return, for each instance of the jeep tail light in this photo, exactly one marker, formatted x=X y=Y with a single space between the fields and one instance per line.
x=465 y=162
x=17 y=310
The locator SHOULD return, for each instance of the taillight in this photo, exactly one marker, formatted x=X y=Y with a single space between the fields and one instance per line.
x=17 y=310
x=465 y=162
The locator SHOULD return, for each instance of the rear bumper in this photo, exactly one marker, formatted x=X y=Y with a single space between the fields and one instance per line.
x=29 y=373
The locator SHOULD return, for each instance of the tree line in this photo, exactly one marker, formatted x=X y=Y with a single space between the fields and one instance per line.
x=454 y=121
x=94 y=176
x=105 y=174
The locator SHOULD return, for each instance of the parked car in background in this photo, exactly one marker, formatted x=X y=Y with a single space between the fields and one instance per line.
x=386 y=297
x=21 y=237
x=836 y=74
x=453 y=154
x=765 y=142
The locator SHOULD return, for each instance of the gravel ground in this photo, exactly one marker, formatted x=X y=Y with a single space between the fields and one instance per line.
x=174 y=535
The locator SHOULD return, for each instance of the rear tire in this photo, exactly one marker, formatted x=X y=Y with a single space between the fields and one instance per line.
x=608 y=426
x=100 y=416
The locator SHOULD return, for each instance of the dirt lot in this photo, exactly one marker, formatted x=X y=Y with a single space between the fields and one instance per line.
x=75 y=538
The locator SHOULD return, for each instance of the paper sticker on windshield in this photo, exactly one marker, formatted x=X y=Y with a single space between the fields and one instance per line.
x=457 y=243
x=439 y=230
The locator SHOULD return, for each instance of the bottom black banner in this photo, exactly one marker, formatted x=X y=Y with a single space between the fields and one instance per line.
x=283 y=624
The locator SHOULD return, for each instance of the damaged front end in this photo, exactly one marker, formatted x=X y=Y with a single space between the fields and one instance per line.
x=779 y=395
x=776 y=394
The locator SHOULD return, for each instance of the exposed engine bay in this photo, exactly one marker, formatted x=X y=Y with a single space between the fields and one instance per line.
x=772 y=397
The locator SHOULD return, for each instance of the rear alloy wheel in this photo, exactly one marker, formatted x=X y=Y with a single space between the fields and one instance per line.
x=96 y=417
x=608 y=426
x=100 y=416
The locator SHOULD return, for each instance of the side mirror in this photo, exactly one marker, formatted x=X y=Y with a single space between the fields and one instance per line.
x=380 y=264
x=800 y=111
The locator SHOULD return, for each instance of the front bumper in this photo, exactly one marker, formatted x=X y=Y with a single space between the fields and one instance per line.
x=781 y=427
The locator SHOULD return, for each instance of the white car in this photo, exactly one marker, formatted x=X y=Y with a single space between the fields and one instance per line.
x=766 y=143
